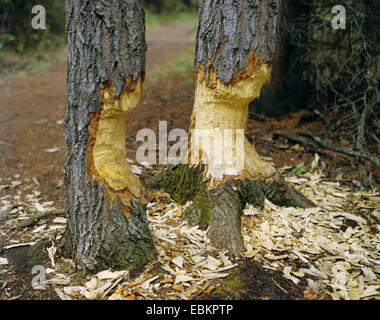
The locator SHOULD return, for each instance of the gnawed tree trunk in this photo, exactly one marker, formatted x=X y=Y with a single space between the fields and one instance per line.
x=235 y=50
x=105 y=204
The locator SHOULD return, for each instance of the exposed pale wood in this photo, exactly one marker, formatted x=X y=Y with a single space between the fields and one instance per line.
x=219 y=209
x=235 y=50
x=106 y=228
x=225 y=106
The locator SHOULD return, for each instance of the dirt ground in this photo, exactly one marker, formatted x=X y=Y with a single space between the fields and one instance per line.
x=32 y=148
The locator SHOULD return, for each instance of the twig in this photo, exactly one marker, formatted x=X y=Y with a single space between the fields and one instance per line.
x=325 y=120
x=34 y=219
x=301 y=117
x=296 y=138
x=351 y=152
x=200 y=291
x=255 y=116
x=374 y=137
x=279 y=286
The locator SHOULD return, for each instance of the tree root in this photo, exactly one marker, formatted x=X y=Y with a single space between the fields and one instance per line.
x=219 y=209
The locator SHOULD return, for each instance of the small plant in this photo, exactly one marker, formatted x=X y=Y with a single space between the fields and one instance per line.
x=301 y=171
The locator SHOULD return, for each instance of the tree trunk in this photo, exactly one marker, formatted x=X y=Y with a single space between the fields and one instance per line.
x=105 y=206
x=235 y=51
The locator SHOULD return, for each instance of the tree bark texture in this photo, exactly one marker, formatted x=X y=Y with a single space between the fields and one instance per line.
x=235 y=50
x=106 y=226
x=232 y=32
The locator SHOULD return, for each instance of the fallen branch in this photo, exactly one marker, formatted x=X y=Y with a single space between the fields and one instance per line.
x=351 y=152
x=37 y=217
x=316 y=142
x=325 y=120
x=301 y=118
x=256 y=117
x=305 y=141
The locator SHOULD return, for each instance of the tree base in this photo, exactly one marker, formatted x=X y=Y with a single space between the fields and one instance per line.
x=114 y=241
x=219 y=208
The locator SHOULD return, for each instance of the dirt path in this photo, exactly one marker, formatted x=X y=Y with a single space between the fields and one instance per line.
x=32 y=109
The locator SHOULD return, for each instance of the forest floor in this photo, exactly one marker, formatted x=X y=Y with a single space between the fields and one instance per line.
x=330 y=252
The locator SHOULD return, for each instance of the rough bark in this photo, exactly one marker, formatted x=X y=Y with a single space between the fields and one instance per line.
x=106 y=56
x=235 y=51
x=229 y=31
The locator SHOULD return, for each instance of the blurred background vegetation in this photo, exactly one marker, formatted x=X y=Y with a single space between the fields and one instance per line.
x=15 y=21
x=332 y=75
x=16 y=32
x=23 y=49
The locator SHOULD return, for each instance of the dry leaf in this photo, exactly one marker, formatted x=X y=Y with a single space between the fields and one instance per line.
x=107 y=274
x=177 y=287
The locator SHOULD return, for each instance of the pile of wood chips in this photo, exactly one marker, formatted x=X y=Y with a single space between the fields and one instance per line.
x=335 y=247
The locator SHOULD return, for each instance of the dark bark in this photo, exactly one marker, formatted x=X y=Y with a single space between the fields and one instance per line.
x=106 y=44
x=226 y=207
x=234 y=40
x=229 y=31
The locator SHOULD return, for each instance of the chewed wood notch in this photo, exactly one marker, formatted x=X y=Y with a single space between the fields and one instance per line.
x=107 y=153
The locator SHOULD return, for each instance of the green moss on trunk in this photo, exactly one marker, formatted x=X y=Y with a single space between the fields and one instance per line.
x=186 y=184
x=183 y=183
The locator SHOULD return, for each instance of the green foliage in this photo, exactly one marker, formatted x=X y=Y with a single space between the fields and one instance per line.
x=25 y=50
x=183 y=66
x=153 y=18
x=16 y=31
x=341 y=68
x=300 y=171
x=13 y=64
